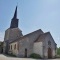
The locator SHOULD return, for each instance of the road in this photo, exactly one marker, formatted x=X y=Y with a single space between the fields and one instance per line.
x=3 y=57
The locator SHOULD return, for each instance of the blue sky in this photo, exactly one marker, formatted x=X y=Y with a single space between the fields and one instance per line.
x=32 y=15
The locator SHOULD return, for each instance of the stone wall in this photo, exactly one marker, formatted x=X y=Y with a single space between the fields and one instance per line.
x=27 y=42
x=38 y=48
x=46 y=46
x=12 y=34
x=14 y=49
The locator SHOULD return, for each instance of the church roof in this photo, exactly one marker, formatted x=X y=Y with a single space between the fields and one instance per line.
x=15 y=14
x=33 y=32
x=14 y=21
x=20 y=38
x=42 y=37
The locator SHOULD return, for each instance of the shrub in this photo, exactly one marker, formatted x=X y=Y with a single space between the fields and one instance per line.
x=12 y=55
x=58 y=51
x=34 y=55
x=57 y=56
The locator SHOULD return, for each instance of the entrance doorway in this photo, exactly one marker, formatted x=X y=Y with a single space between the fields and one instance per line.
x=1 y=50
x=25 y=52
x=49 y=53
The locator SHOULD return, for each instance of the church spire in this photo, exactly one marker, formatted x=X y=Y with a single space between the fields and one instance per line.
x=14 y=22
x=15 y=14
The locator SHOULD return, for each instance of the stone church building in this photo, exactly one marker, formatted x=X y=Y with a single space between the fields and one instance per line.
x=24 y=45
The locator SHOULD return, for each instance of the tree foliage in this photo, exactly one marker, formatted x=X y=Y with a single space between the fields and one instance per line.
x=58 y=51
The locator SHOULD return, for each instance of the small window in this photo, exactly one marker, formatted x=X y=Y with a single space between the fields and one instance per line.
x=49 y=43
x=11 y=47
x=18 y=46
x=15 y=46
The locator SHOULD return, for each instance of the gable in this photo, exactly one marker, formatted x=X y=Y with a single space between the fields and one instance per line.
x=49 y=36
x=43 y=36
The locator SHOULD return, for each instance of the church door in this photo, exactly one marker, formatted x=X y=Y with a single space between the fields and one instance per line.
x=49 y=53
x=25 y=52
x=1 y=50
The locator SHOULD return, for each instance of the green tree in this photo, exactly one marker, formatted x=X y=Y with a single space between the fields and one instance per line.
x=58 y=51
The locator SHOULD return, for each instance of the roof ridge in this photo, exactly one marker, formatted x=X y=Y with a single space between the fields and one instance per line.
x=33 y=32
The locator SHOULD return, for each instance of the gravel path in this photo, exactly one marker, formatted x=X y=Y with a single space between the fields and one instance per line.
x=3 y=57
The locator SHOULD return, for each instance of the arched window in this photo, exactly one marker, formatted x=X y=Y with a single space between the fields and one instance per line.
x=11 y=47
x=15 y=46
x=49 y=42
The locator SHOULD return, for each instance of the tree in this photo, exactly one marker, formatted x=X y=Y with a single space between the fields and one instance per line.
x=58 y=51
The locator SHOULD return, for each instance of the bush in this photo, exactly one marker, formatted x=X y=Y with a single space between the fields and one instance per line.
x=34 y=55
x=12 y=55
x=58 y=51
x=58 y=56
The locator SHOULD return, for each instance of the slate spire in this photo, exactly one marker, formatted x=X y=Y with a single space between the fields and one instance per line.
x=15 y=14
x=14 y=21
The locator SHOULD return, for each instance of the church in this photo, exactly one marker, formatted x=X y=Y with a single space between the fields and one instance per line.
x=38 y=42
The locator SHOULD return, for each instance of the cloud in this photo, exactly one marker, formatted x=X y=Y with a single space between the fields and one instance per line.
x=1 y=36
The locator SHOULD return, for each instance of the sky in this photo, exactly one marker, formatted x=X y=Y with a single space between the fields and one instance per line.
x=32 y=15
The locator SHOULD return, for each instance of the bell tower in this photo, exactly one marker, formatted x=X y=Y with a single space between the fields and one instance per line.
x=13 y=32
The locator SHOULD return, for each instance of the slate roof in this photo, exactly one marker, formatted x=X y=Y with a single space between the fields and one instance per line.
x=40 y=38
x=26 y=36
